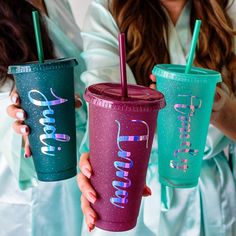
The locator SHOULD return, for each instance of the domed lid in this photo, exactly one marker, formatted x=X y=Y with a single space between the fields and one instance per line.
x=177 y=72
x=56 y=64
x=140 y=98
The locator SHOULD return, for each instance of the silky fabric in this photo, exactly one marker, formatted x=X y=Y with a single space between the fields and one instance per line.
x=206 y=210
x=29 y=207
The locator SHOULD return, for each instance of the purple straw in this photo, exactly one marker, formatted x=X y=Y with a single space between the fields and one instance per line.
x=123 y=65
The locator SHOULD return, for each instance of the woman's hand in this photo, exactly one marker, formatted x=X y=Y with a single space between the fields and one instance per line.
x=16 y=112
x=223 y=114
x=89 y=195
x=19 y=114
x=153 y=83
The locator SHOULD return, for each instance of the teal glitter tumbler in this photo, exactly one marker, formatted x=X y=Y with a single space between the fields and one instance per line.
x=47 y=95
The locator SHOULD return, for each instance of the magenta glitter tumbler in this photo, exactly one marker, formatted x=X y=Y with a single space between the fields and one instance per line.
x=121 y=134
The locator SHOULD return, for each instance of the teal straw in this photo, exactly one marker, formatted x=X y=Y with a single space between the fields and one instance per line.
x=38 y=38
x=193 y=46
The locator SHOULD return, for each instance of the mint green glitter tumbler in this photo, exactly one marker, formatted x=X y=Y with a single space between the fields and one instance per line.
x=183 y=123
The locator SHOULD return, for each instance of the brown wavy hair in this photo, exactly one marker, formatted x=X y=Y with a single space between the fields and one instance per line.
x=146 y=26
x=17 y=40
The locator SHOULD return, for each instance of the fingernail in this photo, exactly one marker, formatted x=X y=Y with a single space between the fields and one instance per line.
x=87 y=172
x=77 y=98
x=91 y=219
x=153 y=86
x=24 y=130
x=20 y=115
x=147 y=191
x=89 y=229
x=14 y=99
x=150 y=76
x=78 y=102
x=92 y=198
x=27 y=156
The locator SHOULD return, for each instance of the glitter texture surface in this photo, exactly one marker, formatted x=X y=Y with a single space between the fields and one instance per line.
x=183 y=123
x=120 y=145
x=47 y=95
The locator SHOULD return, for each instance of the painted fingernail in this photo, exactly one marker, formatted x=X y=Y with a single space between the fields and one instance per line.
x=87 y=172
x=78 y=104
x=89 y=229
x=92 y=198
x=147 y=191
x=78 y=99
x=20 y=115
x=14 y=99
x=27 y=156
x=91 y=219
x=152 y=86
x=24 y=130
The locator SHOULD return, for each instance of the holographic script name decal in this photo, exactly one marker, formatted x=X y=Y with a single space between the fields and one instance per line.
x=124 y=165
x=187 y=111
x=48 y=122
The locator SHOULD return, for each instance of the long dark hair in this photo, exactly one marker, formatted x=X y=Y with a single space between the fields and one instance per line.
x=146 y=26
x=17 y=40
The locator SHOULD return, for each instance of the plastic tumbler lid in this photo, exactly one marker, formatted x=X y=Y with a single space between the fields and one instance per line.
x=140 y=99
x=56 y=64
x=177 y=72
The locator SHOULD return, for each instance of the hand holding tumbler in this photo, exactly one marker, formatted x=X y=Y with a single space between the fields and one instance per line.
x=121 y=133
x=47 y=95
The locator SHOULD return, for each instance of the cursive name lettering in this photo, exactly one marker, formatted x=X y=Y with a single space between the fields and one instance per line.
x=47 y=121
x=187 y=111
x=124 y=165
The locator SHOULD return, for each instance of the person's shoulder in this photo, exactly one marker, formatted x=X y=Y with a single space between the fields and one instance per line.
x=104 y=3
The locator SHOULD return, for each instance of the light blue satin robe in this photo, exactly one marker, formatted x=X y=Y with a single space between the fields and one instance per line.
x=206 y=210
x=29 y=207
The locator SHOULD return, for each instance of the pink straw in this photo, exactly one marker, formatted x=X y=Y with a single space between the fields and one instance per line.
x=123 y=65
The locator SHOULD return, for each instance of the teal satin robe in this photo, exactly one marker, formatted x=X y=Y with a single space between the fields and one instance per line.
x=206 y=210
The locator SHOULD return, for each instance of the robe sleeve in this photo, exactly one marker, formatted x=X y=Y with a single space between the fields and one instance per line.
x=101 y=53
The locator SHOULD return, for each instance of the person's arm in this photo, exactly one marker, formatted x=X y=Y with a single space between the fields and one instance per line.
x=224 y=113
x=100 y=50
x=100 y=44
